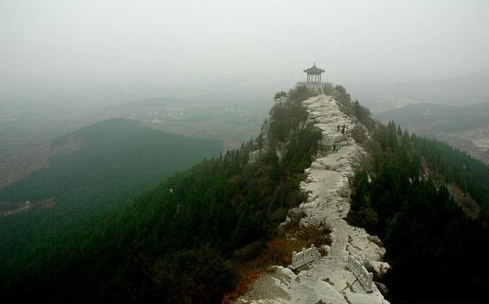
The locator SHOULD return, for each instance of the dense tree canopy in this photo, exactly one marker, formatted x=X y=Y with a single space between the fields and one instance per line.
x=431 y=245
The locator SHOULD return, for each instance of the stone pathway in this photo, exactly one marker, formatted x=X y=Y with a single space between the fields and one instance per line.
x=328 y=194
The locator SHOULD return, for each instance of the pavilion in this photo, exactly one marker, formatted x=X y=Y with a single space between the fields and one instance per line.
x=314 y=74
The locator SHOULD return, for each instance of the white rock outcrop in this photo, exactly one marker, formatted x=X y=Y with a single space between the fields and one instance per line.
x=328 y=191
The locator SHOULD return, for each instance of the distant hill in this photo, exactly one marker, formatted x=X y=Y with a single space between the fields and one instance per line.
x=465 y=127
x=112 y=154
x=91 y=172
x=232 y=120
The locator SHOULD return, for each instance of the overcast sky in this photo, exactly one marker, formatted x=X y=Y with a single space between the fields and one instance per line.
x=161 y=45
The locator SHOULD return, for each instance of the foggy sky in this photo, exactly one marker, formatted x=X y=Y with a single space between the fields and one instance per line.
x=163 y=46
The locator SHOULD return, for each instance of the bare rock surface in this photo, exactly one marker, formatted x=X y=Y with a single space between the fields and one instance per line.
x=327 y=188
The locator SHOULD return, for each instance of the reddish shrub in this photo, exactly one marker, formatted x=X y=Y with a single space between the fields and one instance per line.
x=244 y=283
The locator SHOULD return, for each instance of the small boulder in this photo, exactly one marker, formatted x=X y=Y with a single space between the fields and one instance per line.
x=326 y=248
x=379 y=269
x=296 y=214
x=375 y=239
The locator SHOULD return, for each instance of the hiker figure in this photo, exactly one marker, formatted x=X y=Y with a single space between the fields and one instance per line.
x=336 y=147
x=343 y=130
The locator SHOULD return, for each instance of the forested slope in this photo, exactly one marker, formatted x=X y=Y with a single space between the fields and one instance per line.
x=107 y=166
x=179 y=242
x=111 y=153
x=432 y=246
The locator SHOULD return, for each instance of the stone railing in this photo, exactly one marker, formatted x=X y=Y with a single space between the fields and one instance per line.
x=364 y=277
x=304 y=257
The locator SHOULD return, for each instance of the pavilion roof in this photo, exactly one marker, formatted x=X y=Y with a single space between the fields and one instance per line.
x=314 y=70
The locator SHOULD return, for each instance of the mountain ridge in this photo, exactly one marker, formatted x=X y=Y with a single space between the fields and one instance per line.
x=210 y=234
x=327 y=189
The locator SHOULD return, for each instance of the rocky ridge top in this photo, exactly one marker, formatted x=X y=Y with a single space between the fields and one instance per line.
x=328 y=191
